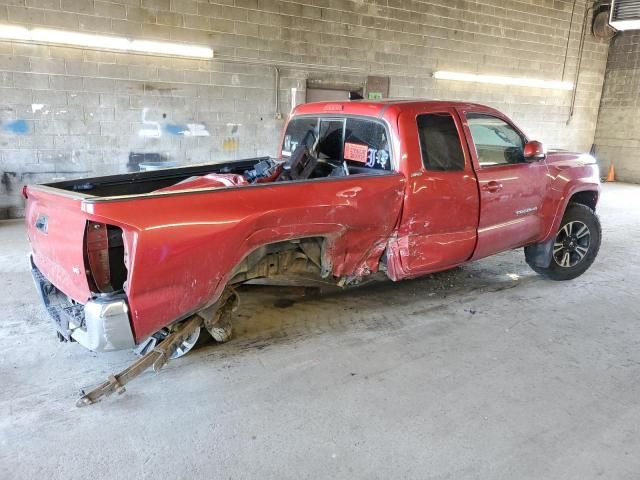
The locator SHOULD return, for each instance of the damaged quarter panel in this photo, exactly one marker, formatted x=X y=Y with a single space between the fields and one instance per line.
x=182 y=247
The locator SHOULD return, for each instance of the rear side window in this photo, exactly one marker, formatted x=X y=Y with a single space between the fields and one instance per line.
x=362 y=143
x=497 y=142
x=440 y=143
x=301 y=130
x=366 y=142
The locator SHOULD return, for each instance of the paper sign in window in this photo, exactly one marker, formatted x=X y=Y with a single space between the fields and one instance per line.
x=356 y=152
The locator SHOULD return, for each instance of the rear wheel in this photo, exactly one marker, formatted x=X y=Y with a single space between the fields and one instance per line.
x=576 y=244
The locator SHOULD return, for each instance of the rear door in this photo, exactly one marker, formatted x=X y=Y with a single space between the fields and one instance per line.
x=440 y=214
x=511 y=190
x=55 y=227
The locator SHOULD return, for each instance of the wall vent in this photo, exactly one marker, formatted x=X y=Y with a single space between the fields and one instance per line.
x=625 y=15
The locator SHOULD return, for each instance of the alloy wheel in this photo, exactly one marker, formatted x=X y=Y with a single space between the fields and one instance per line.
x=572 y=244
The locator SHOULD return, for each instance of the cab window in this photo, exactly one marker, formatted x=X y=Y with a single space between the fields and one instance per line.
x=440 y=142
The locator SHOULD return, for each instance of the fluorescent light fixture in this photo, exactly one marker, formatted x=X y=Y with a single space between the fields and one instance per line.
x=102 y=42
x=498 y=80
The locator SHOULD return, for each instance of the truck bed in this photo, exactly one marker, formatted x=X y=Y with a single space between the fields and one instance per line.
x=139 y=183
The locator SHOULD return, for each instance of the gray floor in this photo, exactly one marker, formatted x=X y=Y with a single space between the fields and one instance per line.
x=487 y=371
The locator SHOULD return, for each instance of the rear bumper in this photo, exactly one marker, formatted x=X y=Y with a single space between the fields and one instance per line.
x=101 y=325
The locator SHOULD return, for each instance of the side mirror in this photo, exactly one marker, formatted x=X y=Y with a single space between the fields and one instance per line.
x=534 y=151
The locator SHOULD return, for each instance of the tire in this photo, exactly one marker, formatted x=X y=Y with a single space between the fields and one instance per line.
x=574 y=248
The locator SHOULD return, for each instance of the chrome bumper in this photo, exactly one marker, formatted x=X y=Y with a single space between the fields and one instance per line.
x=101 y=325
x=107 y=326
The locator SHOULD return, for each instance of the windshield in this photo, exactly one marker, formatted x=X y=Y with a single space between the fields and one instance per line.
x=359 y=142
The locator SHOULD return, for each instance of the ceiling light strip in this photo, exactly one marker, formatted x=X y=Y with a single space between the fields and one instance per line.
x=500 y=80
x=102 y=42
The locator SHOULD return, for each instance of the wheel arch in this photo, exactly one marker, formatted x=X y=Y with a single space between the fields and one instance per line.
x=589 y=198
x=314 y=247
x=587 y=195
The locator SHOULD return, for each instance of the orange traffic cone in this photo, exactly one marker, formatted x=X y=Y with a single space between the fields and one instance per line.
x=611 y=176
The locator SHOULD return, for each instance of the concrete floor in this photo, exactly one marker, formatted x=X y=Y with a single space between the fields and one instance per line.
x=486 y=371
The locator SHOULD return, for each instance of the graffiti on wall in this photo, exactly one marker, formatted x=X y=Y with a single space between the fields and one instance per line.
x=188 y=130
x=154 y=129
x=14 y=127
x=151 y=129
x=231 y=142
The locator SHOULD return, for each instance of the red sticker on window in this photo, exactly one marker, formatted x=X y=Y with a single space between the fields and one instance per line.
x=356 y=152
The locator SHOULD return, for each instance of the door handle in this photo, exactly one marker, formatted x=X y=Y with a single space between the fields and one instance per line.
x=492 y=187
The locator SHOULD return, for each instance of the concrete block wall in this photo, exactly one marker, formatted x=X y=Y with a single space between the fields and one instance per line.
x=67 y=112
x=618 y=133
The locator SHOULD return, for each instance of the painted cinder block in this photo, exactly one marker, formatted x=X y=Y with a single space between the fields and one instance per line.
x=121 y=103
x=616 y=140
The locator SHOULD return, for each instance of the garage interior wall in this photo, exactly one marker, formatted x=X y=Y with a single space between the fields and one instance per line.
x=618 y=133
x=68 y=112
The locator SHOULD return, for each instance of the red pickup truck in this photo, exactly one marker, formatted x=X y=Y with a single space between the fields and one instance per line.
x=401 y=187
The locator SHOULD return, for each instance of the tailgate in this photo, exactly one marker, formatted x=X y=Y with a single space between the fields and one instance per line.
x=56 y=227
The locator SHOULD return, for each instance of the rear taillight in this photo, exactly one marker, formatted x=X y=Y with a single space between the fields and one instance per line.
x=104 y=257
x=97 y=250
x=24 y=192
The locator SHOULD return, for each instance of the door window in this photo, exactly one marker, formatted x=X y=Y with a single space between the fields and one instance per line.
x=496 y=142
x=440 y=142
